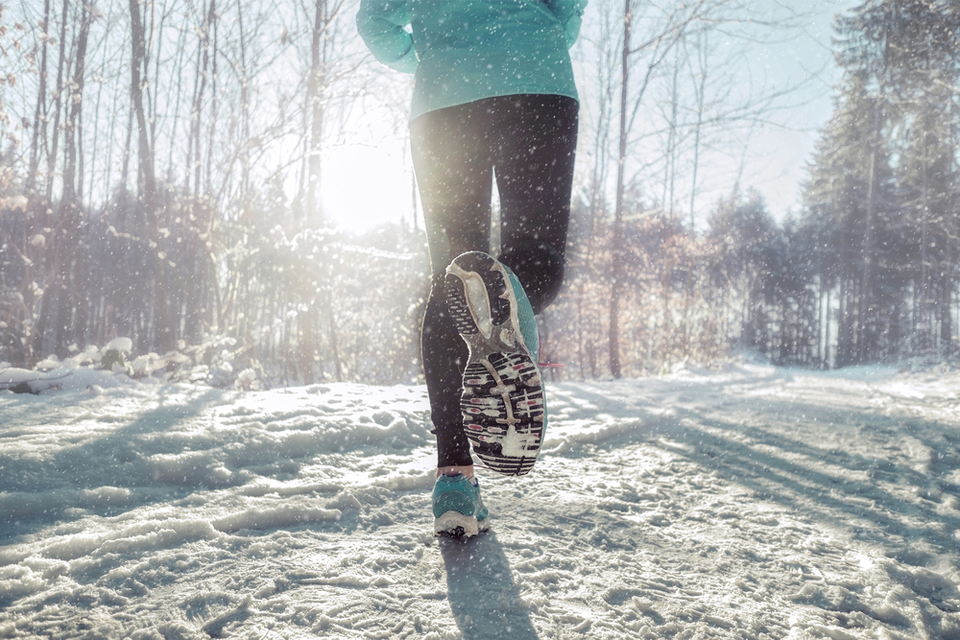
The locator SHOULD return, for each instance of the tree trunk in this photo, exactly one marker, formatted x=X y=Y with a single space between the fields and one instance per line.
x=194 y=153
x=865 y=315
x=214 y=98
x=616 y=266
x=946 y=298
x=48 y=307
x=68 y=229
x=57 y=103
x=701 y=91
x=315 y=100
x=923 y=311
x=147 y=183
x=39 y=116
x=245 y=113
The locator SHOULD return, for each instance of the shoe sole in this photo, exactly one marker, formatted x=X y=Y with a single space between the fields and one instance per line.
x=502 y=401
x=454 y=524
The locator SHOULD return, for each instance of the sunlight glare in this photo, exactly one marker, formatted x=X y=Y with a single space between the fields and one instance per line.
x=367 y=185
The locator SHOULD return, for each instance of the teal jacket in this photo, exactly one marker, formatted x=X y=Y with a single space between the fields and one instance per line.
x=466 y=50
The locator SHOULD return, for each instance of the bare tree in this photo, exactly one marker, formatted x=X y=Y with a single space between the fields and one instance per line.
x=665 y=36
x=146 y=178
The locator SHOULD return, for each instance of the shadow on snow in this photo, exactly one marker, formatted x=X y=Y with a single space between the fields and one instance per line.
x=484 y=599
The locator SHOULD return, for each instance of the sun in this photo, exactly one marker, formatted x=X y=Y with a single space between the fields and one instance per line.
x=367 y=183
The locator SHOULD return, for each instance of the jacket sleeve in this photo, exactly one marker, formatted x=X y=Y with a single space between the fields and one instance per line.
x=381 y=24
x=570 y=15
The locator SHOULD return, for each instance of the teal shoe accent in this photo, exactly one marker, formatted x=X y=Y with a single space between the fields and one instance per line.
x=525 y=317
x=528 y=329
x=458 y=510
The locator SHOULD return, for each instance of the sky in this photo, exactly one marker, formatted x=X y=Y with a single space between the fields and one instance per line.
x=369 y=176
x=780 y=155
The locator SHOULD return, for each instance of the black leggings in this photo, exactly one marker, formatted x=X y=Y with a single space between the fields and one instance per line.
x=528 y=143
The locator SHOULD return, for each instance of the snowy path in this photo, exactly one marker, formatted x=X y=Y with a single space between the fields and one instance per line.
x=751 y=503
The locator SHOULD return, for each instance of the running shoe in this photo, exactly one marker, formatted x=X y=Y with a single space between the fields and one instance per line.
x=458 y=510
x=504 y=414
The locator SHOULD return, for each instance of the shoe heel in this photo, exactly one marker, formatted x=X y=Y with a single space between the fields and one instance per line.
x=482 y=273
x=455 y=525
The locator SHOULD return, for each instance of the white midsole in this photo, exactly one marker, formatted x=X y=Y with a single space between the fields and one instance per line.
x=451 y=521
x=478 y=302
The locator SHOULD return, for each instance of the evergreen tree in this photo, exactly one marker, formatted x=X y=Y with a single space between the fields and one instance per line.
x=883 y=179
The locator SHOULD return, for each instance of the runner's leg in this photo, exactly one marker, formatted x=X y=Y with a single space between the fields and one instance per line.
x=454 y=175
x=534 y=159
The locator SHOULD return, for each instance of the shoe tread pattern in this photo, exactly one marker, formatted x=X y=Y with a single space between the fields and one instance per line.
x=485 y=267
x=500 y=391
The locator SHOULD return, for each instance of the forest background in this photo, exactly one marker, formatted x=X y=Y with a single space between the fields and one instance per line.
x=162 y=178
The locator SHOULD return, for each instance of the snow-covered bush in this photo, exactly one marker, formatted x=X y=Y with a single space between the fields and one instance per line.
x=214 y=362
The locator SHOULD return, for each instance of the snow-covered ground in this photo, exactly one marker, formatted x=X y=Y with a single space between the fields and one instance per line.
x=751 y=502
